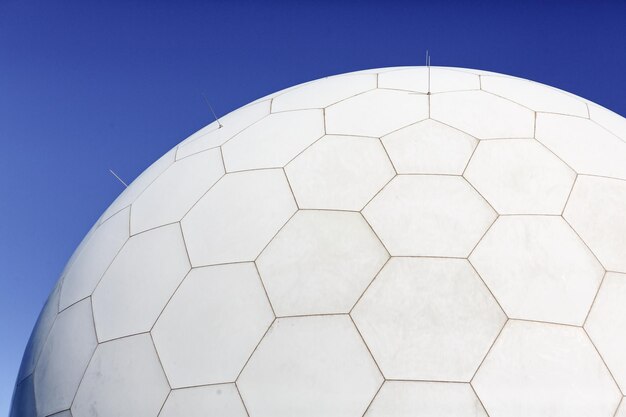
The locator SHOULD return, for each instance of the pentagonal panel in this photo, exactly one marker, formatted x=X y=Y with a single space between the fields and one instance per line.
x=482 y=115
x=534 y=367
x=609 y=120
x=64 y=358
x=427 y=215
x=428 y=319
x=320 y=262
x=273 y=141
x=596 y=211
x=412 y=398
x=40 y=333
x=95 y=257
x=302 y=360
x=171 y=195
x=212 y=324
x=139 y=282
x=139 y=184
x=214 y=400
x=339 y=172
x=534 y=95
x=23 y=401
x=583 y=145
x=213 y=135
x=429 y=147
x=324 y=92
x=538 y=269
x=606 y=324
x=238 y=217
x=376 y=113
x=124 y=379
x=520 y=177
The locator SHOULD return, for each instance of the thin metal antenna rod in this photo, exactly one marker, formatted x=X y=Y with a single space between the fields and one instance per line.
x=219 y=124
x=118 y=178
x=428 y=66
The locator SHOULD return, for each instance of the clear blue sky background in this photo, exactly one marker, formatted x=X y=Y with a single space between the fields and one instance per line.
x=87 y=86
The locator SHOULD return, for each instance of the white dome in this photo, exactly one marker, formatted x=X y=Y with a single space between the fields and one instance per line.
x=393 y=242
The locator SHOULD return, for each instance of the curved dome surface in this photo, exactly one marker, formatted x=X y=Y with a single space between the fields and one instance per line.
x=393 y=242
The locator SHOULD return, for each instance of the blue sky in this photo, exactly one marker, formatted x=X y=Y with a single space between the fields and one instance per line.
x=87 y=86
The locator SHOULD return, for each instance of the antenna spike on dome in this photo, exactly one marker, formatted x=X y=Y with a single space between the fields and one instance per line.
x=118 y=178
x=219 y=124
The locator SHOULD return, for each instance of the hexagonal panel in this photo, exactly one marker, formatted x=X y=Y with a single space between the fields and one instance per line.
x=171 y=195
x=324 y=92
x=538 y=269
x=444 y=79
x=236 y=219
x=39 y=334
x=212 y=324
x=417 y=79
x=213 y=400
x=534 y=95
x=621 y=411
x=410 y=78
x=304 y=359
x=609 y=120
x=534 y=367
x=139 y=282
x=376 y=113
x=583 y=145
x=124 y=379
x=482 y=115
x=429 y=147
x=23 y=401
x=606 y=324
x=428 y=215
x=320 y=262
x=596 y=211
x=428 y=319
x=273 y=141
x=139 y=184
x=64 y=358
x=413 y=398
x=212 y=136
x=95 y=257
x=339 y=172
x=520 y=177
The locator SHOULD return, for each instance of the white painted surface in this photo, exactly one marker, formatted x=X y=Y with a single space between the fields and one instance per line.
x=214 y=400
x=429 y=215
x=520 y=177
x=376 y=113
x=429 y=147
x=212 y=302
x=427 y=399
x=310 y=366
x=339 y=172
x=168 y=307
x=320 y=263
x=124 y=379
x=428 y=319
x=540 y=369
x=530 y=262
x=139 y=282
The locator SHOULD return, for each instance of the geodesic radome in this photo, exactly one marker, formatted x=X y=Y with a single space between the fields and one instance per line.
x=387 y=243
